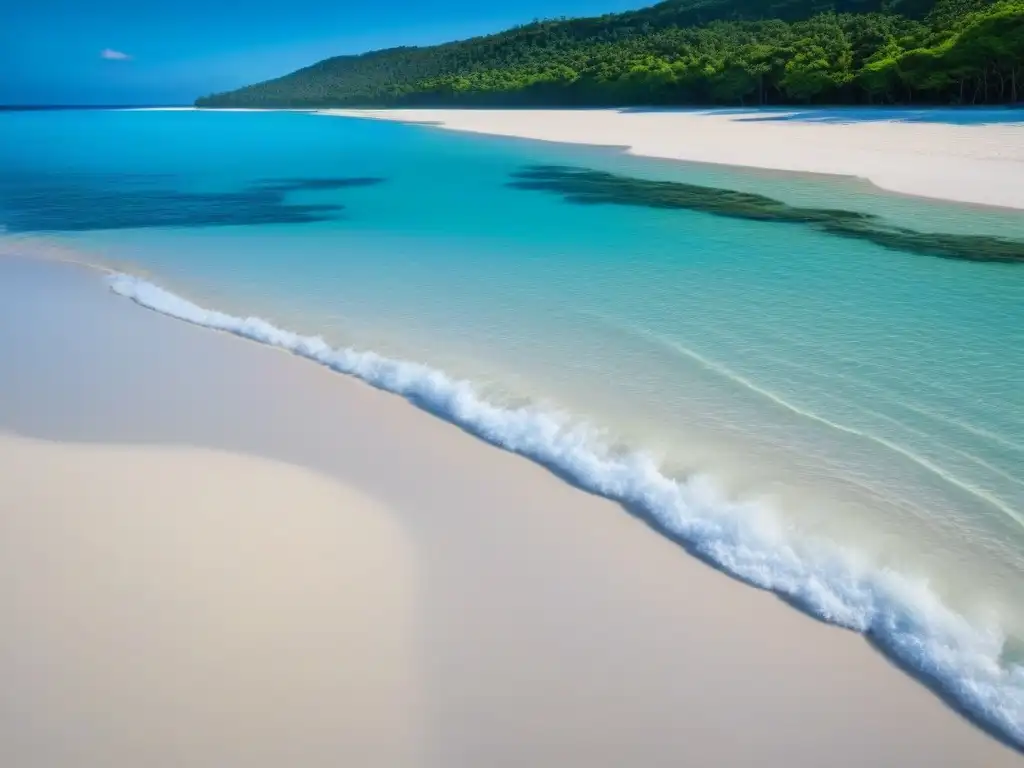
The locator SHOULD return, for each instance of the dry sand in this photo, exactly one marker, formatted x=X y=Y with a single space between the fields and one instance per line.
x=982 y=164
x=180 y=606
x=216 y=554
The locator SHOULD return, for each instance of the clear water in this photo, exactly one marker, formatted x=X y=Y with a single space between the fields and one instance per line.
x=854 y=411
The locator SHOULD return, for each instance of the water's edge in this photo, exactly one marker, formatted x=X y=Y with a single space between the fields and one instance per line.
x=903 y=617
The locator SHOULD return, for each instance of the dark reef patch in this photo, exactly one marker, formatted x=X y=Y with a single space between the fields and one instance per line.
x=75 y=203
x=588 y=187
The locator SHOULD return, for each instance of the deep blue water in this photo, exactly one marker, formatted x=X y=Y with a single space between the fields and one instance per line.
x=820 y=415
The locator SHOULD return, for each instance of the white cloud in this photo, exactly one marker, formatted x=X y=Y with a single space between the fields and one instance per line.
x=112 y=55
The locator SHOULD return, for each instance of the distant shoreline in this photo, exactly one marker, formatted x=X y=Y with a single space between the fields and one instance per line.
x=979 y=164
x=970 y=163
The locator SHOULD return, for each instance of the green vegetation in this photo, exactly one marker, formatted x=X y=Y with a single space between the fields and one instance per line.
x=732 y=52
x=588 y=187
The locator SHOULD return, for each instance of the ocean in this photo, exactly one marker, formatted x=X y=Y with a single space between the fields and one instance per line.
x=816 y=386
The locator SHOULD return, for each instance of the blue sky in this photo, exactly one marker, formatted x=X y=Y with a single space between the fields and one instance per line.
x=171 y=51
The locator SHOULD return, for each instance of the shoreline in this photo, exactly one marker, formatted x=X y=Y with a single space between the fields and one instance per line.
x=986 y=181
x=976 y=165
x=255 y=331
x=544 y=552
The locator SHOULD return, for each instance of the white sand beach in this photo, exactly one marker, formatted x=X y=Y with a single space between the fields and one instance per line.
x=216 y=554
x=979 y=164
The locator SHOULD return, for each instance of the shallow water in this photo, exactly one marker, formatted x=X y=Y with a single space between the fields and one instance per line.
x=850 y=411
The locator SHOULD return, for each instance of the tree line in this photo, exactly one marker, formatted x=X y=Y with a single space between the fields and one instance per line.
x=692 y=52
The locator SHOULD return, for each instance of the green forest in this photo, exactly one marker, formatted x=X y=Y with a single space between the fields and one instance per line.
x=691 y=52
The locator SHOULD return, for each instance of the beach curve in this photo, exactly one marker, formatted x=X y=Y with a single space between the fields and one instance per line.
x=976 y=164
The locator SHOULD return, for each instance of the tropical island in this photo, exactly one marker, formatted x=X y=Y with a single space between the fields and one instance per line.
x=691 y=52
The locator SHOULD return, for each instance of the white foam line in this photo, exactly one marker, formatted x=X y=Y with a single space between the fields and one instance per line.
x=901 y=614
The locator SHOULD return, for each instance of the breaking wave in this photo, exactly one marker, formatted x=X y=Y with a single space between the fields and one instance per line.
x=963 y=660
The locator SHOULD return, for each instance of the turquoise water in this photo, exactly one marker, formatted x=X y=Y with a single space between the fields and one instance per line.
x=818 y=415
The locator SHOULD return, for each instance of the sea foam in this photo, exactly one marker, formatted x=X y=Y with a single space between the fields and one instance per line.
x=900 y=614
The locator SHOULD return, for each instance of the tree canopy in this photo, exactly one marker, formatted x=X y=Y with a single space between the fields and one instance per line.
x=680 y=52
